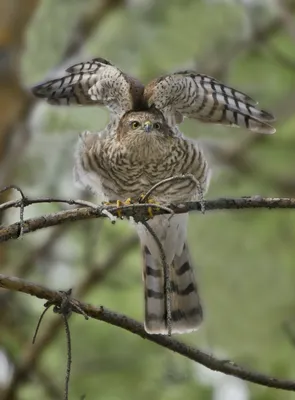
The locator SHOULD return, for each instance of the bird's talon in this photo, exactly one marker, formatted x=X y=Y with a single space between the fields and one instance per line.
x=150 y=212
x=118 y=204
x=149 y=201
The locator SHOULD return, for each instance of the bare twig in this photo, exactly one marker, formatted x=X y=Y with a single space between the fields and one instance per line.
x=65 y=309
x=22 y=205
x=69 y=356
x=175 y=178
x=119 y=320
x=14 y=187
x=111 y=217
x=47 y=305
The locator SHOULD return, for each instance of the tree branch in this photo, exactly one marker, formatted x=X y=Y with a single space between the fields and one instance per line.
x=96 y=275
x=121 y=321
x=137 y=211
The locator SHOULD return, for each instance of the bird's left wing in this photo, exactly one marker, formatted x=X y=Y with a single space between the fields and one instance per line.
x=188 y=94
x=95 y=82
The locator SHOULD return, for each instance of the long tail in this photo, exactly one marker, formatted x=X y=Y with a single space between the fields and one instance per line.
x=186 y=309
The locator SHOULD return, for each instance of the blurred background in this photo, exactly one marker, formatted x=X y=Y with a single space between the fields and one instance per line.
x=245 y=260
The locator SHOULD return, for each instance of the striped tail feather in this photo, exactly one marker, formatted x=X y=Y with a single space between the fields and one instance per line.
x=186 y=309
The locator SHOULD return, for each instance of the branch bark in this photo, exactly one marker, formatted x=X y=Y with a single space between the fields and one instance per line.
x=225 y=366
x=137 y=211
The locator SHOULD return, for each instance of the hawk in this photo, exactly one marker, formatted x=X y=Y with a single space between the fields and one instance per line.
x=142 y=146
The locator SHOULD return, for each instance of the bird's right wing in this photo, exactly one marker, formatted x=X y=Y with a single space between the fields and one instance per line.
x=95 y=82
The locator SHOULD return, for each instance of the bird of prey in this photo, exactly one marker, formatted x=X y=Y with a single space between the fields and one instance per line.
x=142 y=146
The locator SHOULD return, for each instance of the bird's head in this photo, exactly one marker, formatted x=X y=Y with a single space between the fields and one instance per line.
x=144 y=123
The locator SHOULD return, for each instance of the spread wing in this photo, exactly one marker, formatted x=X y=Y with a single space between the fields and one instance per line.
x=188 y=94
x=95 y=82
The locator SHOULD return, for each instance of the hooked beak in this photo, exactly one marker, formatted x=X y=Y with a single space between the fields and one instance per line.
x=147 y=126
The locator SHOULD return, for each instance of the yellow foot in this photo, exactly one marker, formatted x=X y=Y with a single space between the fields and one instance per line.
x=143 y=199
x=118 y=204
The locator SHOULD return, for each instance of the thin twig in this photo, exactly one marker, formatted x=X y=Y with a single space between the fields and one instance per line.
x=22 y=205
x=167 y=281
x=111 y=217
x=94 y=206
x=29 y=202
x=69 y=357
x=148 y=194
x=47 y=305
x=86 y=203
x=75 y=306
x=65 y=309
x=14 y=187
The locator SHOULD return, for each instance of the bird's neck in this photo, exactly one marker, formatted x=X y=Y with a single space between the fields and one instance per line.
x=146 y=146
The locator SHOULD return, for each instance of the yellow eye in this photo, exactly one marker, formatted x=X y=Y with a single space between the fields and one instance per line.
x=157 y=126
x=135 y=124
